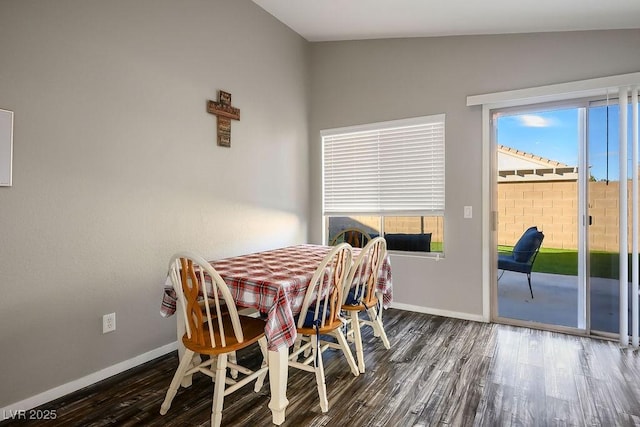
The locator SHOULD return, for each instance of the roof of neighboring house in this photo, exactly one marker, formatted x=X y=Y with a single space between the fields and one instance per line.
x=515 y=165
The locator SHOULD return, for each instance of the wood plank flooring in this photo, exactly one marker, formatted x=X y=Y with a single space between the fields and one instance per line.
x=439 y=372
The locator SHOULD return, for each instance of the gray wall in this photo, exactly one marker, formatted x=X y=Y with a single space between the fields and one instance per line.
x=360 y=82
x=116 y=167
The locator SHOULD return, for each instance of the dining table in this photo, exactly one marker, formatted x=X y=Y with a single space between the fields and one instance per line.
x=274 y=283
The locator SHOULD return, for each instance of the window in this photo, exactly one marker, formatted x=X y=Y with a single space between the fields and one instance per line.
x=387 y=179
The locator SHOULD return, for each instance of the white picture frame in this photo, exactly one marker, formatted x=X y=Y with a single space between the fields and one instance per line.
x=6 y=147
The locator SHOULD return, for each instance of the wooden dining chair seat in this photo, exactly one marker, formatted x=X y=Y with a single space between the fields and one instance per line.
x=320 y=315
x=322 y=331
x=360 y=296
x=252 y=329
x=248 y=312
x=213 y=328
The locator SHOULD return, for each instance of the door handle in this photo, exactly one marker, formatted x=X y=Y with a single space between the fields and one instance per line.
x=590 y=220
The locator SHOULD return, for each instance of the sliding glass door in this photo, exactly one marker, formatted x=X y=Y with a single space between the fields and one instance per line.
x=538 y=153
x=558 y=169
x=604 y=218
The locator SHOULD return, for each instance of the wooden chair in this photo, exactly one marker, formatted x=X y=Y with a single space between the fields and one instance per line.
x=213 y=328
x=360 y=295
x=320 y=316
x=356 y=237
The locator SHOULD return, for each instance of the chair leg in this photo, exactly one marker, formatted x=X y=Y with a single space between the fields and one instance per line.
x=529 y=279
x=376 y=313
x=233 y=359
x=319 y=370
x=307 y=351
x=346 y=351
x=297 y=343
x=376 y=321
x=218 y=390
x=357 y=336
x=265 y=361
x=185 y=364
x=196 y=360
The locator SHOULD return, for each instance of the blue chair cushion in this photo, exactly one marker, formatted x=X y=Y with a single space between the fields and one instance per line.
x=408 y=242
x=311 y=314
x=507 y=262
x=351 y=298
x=527 y=245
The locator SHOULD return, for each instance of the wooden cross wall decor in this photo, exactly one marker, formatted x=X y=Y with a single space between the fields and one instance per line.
x=224 y=113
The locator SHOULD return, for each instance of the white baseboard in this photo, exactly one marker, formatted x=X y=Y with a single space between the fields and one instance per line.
x=437 y=312
x=93 y=378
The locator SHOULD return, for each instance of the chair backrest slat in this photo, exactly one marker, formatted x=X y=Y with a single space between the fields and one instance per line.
x=189 y=285
x=195 y=281
x=207 y=307
x=364 y=272
x=324 y=294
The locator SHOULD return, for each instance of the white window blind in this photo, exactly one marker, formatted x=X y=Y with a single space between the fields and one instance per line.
x=390 y=168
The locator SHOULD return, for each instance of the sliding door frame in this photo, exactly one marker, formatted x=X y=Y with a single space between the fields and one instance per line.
x=534 y=95
x=582 y=314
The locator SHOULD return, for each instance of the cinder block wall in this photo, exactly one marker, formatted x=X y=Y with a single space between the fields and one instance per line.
x=410 y=225
x=553 y=207
x=604 y=208
x=550 y=205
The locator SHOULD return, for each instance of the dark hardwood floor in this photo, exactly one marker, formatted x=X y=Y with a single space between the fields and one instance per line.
x=439 y=371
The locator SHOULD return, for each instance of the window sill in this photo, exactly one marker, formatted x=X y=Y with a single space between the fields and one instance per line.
x=436 y=256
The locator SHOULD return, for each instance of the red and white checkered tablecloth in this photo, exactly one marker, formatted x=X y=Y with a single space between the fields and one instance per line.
x=275 y=282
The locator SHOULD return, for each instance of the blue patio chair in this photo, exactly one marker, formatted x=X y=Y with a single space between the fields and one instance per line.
x=523 y=255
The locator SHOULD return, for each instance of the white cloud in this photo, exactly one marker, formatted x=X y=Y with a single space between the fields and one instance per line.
x=533 y=121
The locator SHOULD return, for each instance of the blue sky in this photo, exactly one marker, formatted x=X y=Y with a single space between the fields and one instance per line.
x=554 y=135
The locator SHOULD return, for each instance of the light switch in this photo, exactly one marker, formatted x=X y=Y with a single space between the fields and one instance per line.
x=468 y=212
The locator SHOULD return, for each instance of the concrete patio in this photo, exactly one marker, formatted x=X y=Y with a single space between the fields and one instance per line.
x=555 y=300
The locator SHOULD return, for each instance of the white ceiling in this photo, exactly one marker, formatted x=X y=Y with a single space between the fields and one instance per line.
x=324 y=20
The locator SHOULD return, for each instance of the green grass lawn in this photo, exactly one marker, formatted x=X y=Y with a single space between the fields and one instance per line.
x=565 y=261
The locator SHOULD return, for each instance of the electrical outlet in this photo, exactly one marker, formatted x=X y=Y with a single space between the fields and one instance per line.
x=108 y=323
x=468 y=212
